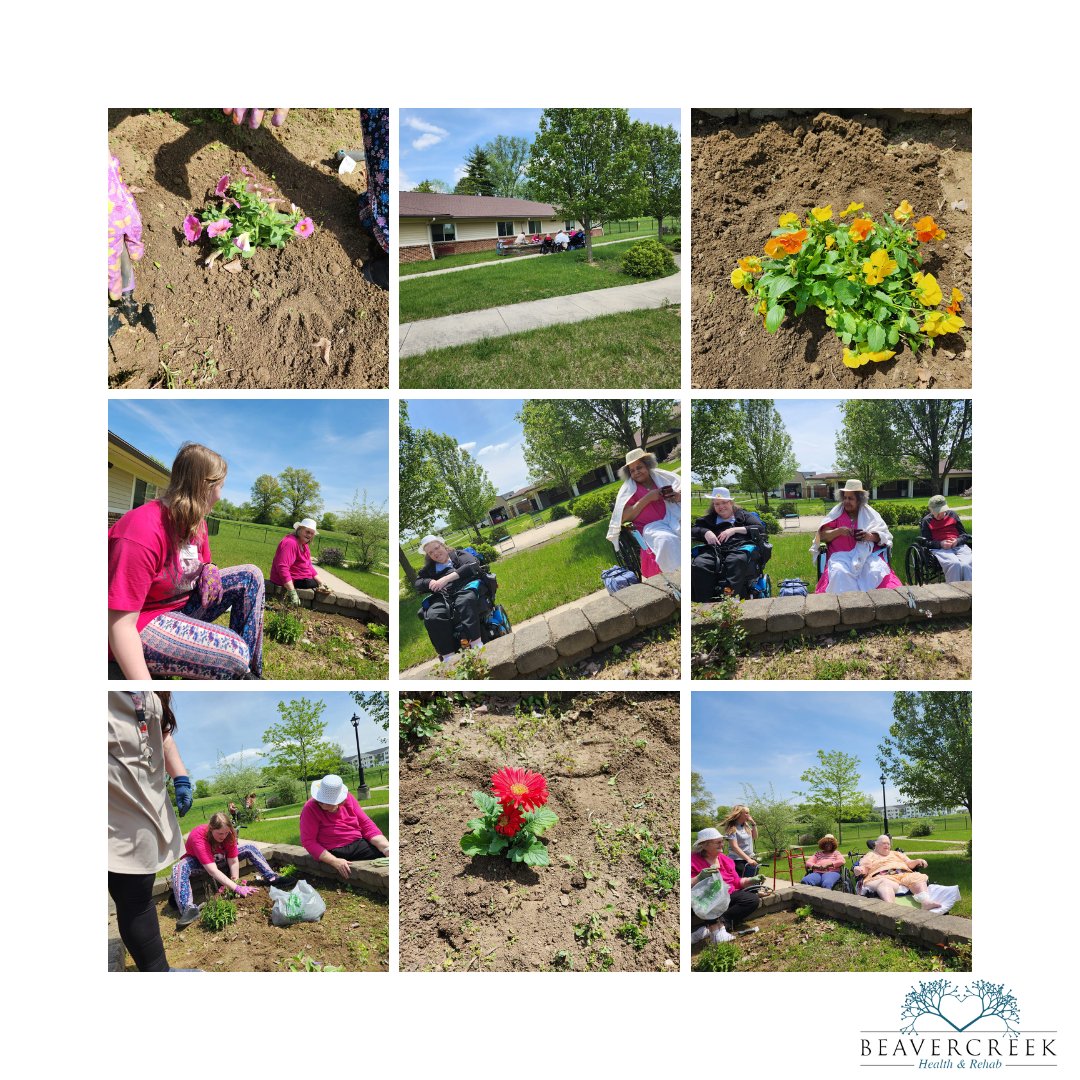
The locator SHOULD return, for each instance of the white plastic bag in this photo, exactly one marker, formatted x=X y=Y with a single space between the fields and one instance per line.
x=300 y=904
x=709 y=897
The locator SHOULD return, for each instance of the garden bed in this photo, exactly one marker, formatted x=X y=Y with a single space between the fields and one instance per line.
x=611 y=762
x=255 y=329
x=333 y=647
x=747 y=171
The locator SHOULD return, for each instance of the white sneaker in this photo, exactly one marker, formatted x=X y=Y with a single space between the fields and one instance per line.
x=700 y=934
x=721 y=935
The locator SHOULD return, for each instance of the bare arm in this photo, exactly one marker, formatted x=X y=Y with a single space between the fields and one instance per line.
x=126 y=645
x=212 y=869
x=631 y=510
x=340 y=865
x=381 y=844
x=174 y=764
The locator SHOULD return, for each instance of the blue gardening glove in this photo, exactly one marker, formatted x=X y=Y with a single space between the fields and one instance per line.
x=182 y=787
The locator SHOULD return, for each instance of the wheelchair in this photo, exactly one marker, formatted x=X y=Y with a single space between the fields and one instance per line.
x=822 y=558
x=920 y=566
x=761 y=586
x=494 y=621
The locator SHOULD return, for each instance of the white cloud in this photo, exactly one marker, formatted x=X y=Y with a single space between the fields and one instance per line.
x=467 y=446
x=492 y=449
x=431 y=135
x=460 y=172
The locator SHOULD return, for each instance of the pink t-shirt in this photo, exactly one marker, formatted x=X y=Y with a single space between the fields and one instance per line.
x=653 y=512
x=202 y=846
x=699 y=862
x=142 y=576
x=321 y=831
x=842 y=543
x=292 y=561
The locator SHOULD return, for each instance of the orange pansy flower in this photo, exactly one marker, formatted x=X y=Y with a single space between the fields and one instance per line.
x=927 y=229
x=785 y=244
x=860 y=228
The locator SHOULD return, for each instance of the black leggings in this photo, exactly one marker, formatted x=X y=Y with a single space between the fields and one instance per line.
x=133 y=896
x=305 y=583
x=357 y=851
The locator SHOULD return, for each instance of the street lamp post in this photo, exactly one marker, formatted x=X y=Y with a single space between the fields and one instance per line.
x=362 y=790
x=884 y=807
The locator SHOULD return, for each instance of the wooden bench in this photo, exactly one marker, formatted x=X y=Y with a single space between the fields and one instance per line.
x=511 y=246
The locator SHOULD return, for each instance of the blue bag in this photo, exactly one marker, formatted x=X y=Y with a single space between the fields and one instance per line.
x=618 y=577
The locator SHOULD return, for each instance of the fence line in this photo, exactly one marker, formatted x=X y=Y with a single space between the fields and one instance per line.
x=272 y=534
x=614 y=228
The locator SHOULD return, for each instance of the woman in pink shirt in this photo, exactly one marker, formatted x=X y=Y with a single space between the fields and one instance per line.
x=824 y=866
x=207 y=849
x=291 y=568
x=335 y=830
x=165 y=592
x=650 y=498
x=706 y=857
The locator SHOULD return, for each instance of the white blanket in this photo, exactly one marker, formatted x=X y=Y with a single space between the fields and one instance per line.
x=660 y=477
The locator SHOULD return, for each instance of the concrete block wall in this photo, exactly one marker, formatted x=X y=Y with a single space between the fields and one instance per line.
x=592 y=624
x=364 y=608
x=784 y=617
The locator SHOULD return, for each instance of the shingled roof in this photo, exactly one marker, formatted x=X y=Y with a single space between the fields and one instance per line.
x=434 y=204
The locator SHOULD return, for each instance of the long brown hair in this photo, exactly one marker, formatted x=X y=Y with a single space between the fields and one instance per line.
x=195 y=472
x=168 y=717
x=220 y=820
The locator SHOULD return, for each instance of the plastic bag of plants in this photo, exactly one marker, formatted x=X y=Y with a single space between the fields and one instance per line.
x=301 y=904
x=709 y=897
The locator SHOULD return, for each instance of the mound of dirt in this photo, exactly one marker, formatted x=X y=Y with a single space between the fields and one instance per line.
x=258 y=328
x=746 y=172
x=612 y=766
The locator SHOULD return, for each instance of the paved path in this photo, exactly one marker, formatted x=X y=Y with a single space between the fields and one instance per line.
x=427 y=334
x=531 y=537
x=505 y=260
x=342 y=588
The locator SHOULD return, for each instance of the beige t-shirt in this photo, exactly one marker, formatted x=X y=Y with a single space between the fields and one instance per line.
x=144 y=835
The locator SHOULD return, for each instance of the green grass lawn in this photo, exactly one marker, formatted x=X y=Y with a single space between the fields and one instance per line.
x=808 y=507
x=531 y=582
x=621 y=351
x=530 y=279
x=288 y=831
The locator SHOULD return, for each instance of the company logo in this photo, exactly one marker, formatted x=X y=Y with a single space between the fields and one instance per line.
x=947 y=1025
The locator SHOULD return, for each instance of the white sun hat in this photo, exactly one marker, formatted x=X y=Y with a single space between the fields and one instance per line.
x=330 y=789
x=430 y=539
x=307 y=523
x=721 y=493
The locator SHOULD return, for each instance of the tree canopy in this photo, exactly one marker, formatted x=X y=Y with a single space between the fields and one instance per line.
x=266 y=498
x=934 y=434
x=867 y=445
x=477 y=179
x=432 y=185
x=301 y=493
x=298 y=744
x=765 y=457
x=376 y=703
x=714 y=439
x=661 y=171
x=557 y=444
x=422 y=491
x=469 y=492
x=508 y=159
x=833 y=787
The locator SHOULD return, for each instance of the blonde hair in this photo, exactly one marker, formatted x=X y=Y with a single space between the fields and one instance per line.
x=220 y=820
x=195 y=472
x=734 y=815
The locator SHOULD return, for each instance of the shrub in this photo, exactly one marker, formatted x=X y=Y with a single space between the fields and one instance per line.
x=595 y=506
x=368 y=526
x=771 y=522
x=922 y=827
x=419 y=720
x=647 y=259
x=331 y=556
x=287 y=791
x=217 y=913
x=967 y=850
x=722 y=957
x=558 y=512
x=487 y=552
x=786 y=507
x=283 y=627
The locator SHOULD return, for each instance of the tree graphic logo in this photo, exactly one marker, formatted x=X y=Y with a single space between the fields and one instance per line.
x=982 y=1005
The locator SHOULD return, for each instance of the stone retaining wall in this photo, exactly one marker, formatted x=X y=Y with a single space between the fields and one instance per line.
x=363 y=607
x=590 y=625
x=784 y=617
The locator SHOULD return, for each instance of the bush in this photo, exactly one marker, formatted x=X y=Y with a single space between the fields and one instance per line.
x=368 y=525
x=595 y=506
x=283 y=627
x=287 y=791
x=647 y=259
x=771 y=523
x=487 y=552
x=558 y=512
x=331 y=556
x=218 y=913
x=922 y=827
x=202 y=789
x=808 y=839
x=897 y=513
x=786 y=507
x=722 y=957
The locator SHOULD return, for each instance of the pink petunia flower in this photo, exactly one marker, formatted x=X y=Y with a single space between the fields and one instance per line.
x=223 y=185
x=242 y=242
x=216 y=228
x=304 y=227
x=246 y=171
x=192 y=228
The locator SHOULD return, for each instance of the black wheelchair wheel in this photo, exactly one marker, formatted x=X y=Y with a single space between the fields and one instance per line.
x=913 y=567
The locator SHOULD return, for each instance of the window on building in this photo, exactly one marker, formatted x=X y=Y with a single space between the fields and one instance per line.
x=446 y=230
x=140 y=495
x=506 y=228
x=568 y=226
x=534 y=227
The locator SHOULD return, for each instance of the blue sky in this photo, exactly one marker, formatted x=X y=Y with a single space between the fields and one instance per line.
x=345 y=444
x=434 y=143
x=763 y=738
x=232 y=725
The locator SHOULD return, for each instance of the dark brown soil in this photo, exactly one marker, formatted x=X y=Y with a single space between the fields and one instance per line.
x=655 y=654
x=255 y=329
x=612 y=765
x=746 y=172
x=334 y=647
x=353 y=934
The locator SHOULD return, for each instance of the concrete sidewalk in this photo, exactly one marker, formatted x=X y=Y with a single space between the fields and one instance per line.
x=342 y=588
x=426 y=334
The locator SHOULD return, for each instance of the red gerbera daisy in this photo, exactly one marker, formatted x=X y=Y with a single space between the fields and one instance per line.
x=510 y=822
x=519 y=789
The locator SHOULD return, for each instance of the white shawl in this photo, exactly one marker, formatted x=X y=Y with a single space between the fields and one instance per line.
x=869 y=520
x=660 y=477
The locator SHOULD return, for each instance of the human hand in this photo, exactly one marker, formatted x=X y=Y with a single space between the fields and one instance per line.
x=125 y=234
x=726 y=534
x=711 y=537
x=437 y=584
x=182 y=787
x=342 y=867
x=294 y=598
x=243 y=890
x=255 y=116
x=949 y=542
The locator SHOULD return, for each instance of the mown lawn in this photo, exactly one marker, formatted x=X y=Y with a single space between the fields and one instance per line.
x=530 y=583
x=530 y=279
x=288 y=831
x=628 y=350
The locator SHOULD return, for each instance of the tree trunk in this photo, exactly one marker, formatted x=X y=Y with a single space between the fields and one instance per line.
x=660 y=228
x=406 y=566
x=587 y=226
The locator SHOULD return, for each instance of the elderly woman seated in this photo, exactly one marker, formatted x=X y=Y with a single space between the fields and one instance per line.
x=852 y=534
x=650 y=498
x=732 y=556
x=335 y=830
x=883 y=870
x=291 y=568
x=452 y=617
x=824 y=866
x=947 y=539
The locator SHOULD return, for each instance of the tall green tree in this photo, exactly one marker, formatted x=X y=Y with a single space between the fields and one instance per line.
x=421 y=487
x=469 y=492
x=236 y=776
x=833 y=787
x=927 y=753
x=368 y=522
x=715 y=427
x=934 y=434
x=661 y=171
x=588 y=163
x=297 y=741
x=508 y=158
x=477 y=179
x=376 y=703
x=556 y=445
x=866 y=444
x=776 y=819
x=616 y=425
x=266 y=498
x=766 y=458
x=301 y=493
x=702 y=805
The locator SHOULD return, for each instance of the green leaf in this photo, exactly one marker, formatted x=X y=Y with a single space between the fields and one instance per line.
x=774 y=317
x=847 y=323
x=533 y=854
x=884 y=297
x=780 y=285
x=486 y=804
x=539 y=821
x=845 y=291
x=909 y=325
x=894 y=335
x=476 y=824
x=497 y=843
x=474 y=843
x=875 y=337
x=900 y=255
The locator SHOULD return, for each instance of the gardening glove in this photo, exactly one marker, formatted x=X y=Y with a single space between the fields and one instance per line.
x=244 y=890
x=125 y=234
x=255 y=116
x=182 y=787
x=208 y=585
x=294 y=598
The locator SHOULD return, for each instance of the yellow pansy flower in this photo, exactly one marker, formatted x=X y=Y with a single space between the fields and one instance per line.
x=927 y=291
x=738 y=277
x=878 y=267
x=938 y=323
x=904 y=211
x=857 y=359
x=956 y=300
x=830 y=241
x=853 y=208
x=788 y=219
x=822 y=213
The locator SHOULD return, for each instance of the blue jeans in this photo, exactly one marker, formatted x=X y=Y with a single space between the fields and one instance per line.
x=825 y=880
